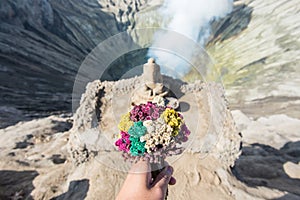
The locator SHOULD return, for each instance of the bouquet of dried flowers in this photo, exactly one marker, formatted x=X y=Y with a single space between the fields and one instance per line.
x=152 y=131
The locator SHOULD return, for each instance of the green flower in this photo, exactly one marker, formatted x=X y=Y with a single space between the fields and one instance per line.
x=137 y=147
x=137 y=130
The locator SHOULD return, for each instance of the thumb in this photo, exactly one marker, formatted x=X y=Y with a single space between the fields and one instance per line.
x=163 y=178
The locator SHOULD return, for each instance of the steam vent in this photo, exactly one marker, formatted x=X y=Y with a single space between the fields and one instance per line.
x=213 y=146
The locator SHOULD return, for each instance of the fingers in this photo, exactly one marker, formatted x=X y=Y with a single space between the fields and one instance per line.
x=164 y=178
x=172 y=181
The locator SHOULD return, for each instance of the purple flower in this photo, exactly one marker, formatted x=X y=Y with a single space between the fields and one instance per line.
x=184 y=138
x=185 y=130
x=180 y=115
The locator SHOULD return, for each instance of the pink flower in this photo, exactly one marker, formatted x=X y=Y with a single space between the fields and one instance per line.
x=155 y=115
x=123 y=143
x=146 y=112
x=148 y=118
x=140 y=114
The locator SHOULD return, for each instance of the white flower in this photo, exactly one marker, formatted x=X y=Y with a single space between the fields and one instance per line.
x=159 y=101
x=161 y=120
x=149 y=124
x=173 y=103
x=142 y=139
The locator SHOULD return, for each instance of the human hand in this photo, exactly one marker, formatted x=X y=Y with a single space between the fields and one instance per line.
x=139 y=184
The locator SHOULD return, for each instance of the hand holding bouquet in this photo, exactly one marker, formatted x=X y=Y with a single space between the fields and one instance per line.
x=152 y=131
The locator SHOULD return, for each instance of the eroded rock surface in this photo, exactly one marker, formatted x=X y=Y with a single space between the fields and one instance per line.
x=256 y=49
x=42 y=46
x=34 y=158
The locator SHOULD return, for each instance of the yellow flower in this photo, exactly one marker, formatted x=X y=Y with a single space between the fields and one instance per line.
x=175 y=132
x=125 y=122
x=173 y=119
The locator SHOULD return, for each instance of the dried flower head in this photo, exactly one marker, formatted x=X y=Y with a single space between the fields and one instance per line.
x=173 y=119
x=125 y=122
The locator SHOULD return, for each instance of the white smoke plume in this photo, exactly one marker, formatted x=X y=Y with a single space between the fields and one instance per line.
x=190 y=18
